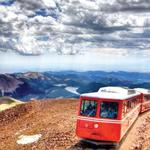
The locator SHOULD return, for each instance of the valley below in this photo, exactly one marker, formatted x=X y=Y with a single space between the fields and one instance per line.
x=66 y=84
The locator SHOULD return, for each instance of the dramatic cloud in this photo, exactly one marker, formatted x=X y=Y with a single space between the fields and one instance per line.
x=36 y=27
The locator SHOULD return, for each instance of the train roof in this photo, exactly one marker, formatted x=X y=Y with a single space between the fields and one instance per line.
x=143 y=90
x=119 y=93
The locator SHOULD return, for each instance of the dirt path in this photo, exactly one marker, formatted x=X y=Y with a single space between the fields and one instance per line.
x=55 y=121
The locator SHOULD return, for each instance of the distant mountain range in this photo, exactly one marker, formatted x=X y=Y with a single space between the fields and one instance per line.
x=66 y=84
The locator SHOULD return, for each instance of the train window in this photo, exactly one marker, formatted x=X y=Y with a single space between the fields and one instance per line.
x=132 y=103
x=146 y=98
x=88 y=108
x=137 y=101
x=124 y=111
x=129 y=105
x=109 y=110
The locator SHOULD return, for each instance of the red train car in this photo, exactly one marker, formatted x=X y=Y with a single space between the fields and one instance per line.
x=145 y=105
x=106 y=115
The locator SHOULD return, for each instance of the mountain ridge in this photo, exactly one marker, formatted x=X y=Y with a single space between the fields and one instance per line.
x=66 y=84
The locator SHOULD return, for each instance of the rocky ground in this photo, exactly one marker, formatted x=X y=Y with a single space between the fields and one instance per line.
x=55 y=121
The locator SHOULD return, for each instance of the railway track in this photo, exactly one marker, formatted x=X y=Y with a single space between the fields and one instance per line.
x=88 y=145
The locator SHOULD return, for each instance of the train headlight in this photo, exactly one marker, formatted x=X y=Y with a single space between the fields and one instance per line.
x=96 y=125
x=86 y=125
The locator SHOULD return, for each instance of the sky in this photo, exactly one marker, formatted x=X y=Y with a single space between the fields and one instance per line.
x=41 y=35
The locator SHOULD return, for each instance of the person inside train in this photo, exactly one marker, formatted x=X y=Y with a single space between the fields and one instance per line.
x=90 y=110
x=104 y=113
x=111 y=113
x=108 y=111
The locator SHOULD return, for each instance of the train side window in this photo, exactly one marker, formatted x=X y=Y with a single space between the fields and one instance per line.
x=146 y=98
x=132 y=103
x=88 y=108
x=129 y=105
x=109 y=110
x=124 y=111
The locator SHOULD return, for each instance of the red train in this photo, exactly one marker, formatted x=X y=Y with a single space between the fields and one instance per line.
x=145 y=104
x=107 y=115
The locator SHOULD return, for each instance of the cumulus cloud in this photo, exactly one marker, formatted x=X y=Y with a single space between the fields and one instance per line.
x=35 y=27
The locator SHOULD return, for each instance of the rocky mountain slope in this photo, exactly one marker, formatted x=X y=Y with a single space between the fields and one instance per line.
x=55 y=121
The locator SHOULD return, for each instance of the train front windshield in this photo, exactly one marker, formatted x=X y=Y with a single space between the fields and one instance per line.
x=88 y=108
x=109 y=110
